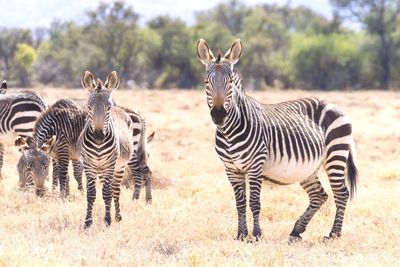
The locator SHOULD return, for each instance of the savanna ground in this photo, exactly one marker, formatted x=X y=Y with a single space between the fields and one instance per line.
x=192 y=221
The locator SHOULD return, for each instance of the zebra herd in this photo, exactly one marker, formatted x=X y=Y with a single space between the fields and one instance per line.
x=282 y=143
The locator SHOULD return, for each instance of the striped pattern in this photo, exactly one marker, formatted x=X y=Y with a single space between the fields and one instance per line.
x=56 y=133
x=284 y=143
x=33 y=165
x=106 y=145
x=18 y=113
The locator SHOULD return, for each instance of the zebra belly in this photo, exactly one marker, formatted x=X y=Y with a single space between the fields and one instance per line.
x=289 y=172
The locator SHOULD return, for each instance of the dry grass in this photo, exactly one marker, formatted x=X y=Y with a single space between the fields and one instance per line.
x=192 y=221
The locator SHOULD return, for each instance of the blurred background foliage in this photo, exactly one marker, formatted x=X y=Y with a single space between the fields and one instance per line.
x=284 y=47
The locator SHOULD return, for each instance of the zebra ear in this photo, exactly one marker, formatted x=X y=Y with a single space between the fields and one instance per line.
x=46 y=147
x=21 y=143
x=204 y=53
x=233 y=54
x=87 y=81
x=3 y=87
x=150 y=137
x=112 y=81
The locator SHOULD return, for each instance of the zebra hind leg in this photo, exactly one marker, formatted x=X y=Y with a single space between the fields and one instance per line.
x=318 y=197
x=116 y=190
x=341 y=195
x=147 y=183
x=78 y=171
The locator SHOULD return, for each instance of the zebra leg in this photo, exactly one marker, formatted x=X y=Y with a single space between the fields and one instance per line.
x=56 y=174
x=238 y=183
x=90 y=195
x=255 y=182
x=147 y=183
x=318 y=197
x=116 y=190
x=107 y=178
x=341 y=195
x=137 y=176
x=63 y=162
x=78 y=170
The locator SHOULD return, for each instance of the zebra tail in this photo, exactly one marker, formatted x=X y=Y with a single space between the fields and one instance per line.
x=352 y=174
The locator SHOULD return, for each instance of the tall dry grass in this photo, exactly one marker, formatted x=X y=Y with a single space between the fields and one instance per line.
x=192 y=221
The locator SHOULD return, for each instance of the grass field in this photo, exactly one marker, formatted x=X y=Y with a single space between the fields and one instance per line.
x=192 y=221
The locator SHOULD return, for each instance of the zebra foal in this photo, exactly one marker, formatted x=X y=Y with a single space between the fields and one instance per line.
x=284 y=143
x=106 y=144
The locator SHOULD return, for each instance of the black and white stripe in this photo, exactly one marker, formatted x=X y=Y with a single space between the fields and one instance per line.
x=106 y=144
x=284 y=143
x=56 y=133
x=18 y=113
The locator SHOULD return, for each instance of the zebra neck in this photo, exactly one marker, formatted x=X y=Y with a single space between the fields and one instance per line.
x=234 y=116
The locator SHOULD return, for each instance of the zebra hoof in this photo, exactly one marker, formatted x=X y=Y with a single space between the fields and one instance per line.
x=149 y=201
x=332 y=236
x=241 y=236
x=294 y=239
x=118 y=218
x=88 y=224
x=107 y=221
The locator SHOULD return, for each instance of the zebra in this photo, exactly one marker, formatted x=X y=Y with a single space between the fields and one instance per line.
x=284 y=143
x=18 y=113
x=56 y=133
x=33 y=165
x=106 y=144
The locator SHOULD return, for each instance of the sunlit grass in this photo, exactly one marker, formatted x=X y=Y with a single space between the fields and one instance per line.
x=192 y=221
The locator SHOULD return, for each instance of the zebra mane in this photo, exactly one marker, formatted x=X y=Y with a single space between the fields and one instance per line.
x=219 y=56
x=99 y=85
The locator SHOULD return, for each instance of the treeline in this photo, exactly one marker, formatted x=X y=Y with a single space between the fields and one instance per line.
x=284 y=47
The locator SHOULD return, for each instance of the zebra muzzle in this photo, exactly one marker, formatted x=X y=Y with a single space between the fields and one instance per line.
x=218 y=114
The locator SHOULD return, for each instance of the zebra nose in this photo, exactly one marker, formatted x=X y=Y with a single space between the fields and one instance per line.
x=218 y=114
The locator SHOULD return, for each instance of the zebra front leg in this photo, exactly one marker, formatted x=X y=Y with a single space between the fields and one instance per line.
x=56 y=174
x=63 y=161
x=1 y=159
x=255 y=182
x=107 y=179
x=318 y=197
x=90 y=195
x=78 y=171
x=116 y=190
x=238 y=183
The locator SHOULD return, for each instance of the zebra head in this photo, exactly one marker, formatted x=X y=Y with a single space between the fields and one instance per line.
x=100 y=100
x=33 y=166
x=3 y=87
x=218 y=78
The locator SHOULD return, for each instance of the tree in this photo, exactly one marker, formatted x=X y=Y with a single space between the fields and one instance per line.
x=24 y=57
x=380 y=19
x=9 y=39
x=325 y=61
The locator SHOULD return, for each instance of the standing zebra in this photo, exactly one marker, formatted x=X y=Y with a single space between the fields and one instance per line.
x=106 y=144
x=284 y=143
x=56 y=133
x=18 y=113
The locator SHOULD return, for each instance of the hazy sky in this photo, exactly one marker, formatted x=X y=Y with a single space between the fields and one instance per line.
x=40 y=13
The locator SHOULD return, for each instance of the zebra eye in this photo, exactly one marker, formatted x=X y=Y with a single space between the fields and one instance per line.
x=206 y=82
